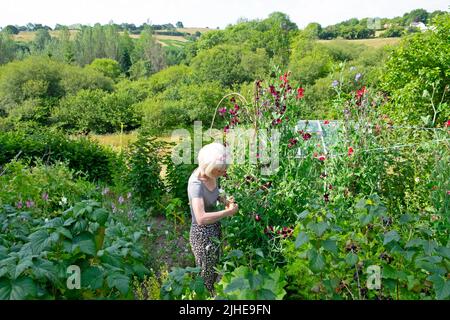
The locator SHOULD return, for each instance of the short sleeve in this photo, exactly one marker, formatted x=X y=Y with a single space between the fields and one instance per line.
x=195 y=189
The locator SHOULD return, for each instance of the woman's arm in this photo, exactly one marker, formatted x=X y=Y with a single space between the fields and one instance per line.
x=202 y=217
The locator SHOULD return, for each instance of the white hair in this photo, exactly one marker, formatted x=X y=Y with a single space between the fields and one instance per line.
x=212 y=156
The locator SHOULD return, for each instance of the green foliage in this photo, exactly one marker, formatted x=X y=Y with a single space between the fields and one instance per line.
x=180 y=106
x=42 y=187
x=40 y=77
x=417 y=79
x=246 y=284
x=108 y=67
x=184 y=284
x=35 y=254
x=84 y=156
x=97 y=111
x=229 y=64
x=144 y=159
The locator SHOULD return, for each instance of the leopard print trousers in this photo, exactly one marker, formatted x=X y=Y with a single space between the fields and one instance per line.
x=206 y=250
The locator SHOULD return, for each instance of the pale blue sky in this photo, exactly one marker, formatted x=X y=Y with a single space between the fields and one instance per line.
x=202 y=13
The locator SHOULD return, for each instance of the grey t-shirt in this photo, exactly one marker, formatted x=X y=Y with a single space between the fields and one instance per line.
x=196 y=189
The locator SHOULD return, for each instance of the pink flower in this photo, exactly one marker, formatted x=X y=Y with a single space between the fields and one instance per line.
x=45 y=196
x=121 y=200
x=306 y=136
x=226 y=129
x=300 y=93
x=19 y=205
x=222 y=111
x=292 y=142
x=29 y=203
x=321 y=158
x=350 y=151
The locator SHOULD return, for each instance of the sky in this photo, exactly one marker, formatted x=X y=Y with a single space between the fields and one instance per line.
x=202 y=13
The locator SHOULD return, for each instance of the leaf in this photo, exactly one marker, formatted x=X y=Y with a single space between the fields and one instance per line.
x=361 y=205
x=85 y=241
x=391 y=236
x=18 y=289
x=302 y=238
x=303 y=215
x=119 y=281
x=330 y=245
x=259 y=252
x=22 y=266
x=318 y=228
x=414 y=243
x=100 y=215
x=351 y=258
x=65 y=232
x=39 y=241
x=441 y=287
x=365 y=219
x=389 y=272
x=316 y=261
x=92 y=278
x=238 y=283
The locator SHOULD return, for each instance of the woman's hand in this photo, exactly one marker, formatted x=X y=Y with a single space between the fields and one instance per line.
x=232 y=208
x=229 y=200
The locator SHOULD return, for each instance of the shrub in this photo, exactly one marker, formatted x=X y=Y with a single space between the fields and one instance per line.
x=84 y=156
x=143 y=161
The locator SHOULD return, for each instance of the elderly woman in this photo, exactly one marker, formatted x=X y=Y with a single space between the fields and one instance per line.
x=203 y=195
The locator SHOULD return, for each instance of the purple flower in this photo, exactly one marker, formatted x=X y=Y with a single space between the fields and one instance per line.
x=19 y=205
x=358 y=76
x=121 y=200
x=222 y=111
x=45 y=196
x=105 y=191
x=335 y=83
x=29 y=203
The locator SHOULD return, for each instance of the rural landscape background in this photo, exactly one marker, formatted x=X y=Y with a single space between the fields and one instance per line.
x=87 y=178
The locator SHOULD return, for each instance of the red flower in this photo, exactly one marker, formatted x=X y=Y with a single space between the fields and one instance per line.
x=321 y=158
x=300 y=93
x=323 y=175
x=292 y=142
x=273 y=91
x=326 y=197
x=361 y=92
x=257 y=217
x=447 y=124
x=222 y=111
x=330 y=187
x=276 y=121
x=326 y=122
x=306 y=136
x=284 y=78
x=226 y=129
x=350 y=151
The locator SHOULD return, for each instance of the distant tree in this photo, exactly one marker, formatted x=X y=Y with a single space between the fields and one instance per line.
x=11 y=29
x=148 y=54
x=107 y=67
x=417 y=15
x=7 y=48
x=313 y=30
x=41 y=39
x=392 y=32
x=179 y=24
